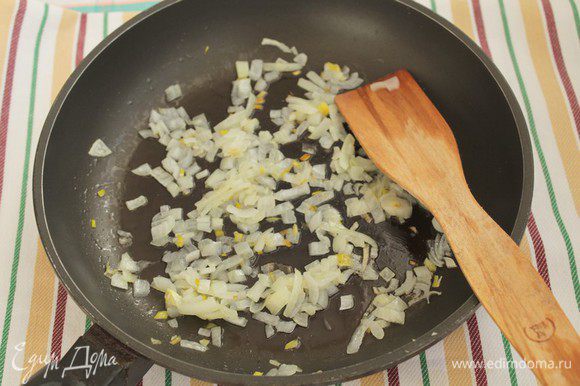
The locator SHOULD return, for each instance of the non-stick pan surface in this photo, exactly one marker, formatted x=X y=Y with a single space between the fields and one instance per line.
x=109 y=97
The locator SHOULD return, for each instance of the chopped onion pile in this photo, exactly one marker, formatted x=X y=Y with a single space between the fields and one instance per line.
x=214 y=275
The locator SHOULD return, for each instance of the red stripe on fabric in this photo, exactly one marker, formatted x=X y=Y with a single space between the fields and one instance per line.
x=480 y=27
x=539 y=250
x=60 y=313
x=472 y=325
x=81 y=39
x=8 y=83
x=140 y=383
x=393 y=376
x=58 y=325
x=560 y=64
x=476 y=351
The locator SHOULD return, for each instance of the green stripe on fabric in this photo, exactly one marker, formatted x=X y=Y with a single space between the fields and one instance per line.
x=105 y=24
x=576 y=17
x=510 y=360
x=115 y=8
x=424 y=369
x=88 y=324
x=433 y=6
x=23 y=191
x=167 y=377
x=545 y=171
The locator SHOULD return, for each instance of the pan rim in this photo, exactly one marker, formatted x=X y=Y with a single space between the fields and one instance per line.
x=454 y=321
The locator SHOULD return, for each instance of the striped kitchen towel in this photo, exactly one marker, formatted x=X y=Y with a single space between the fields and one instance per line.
x=536 y=45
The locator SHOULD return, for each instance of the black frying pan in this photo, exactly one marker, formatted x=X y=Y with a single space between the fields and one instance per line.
x=111 y=92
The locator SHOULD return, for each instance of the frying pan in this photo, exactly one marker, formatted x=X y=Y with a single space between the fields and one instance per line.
x=110 y=95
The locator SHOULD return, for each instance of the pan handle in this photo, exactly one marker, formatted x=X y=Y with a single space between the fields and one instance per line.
x=96 y=358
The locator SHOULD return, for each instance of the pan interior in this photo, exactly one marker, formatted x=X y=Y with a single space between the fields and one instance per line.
x=112 y=99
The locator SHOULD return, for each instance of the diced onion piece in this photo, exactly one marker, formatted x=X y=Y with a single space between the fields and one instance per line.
x=255 y=71
x=357 y=338
x=387 y=274
x=173 y=92
x=141 y=288
x=287 y=370
x=292 y=193
x=271 y=42
x=117 y=280
x=318 y=248
x=99 y=149
x=193 y=345
x=449 y=262
x=407 y=285
x=286 y=327
x=346 y=302
x=282 y=67
x=204 y=332
x=128 y=264
x=436 y=225
x=269 y=331
x=216 y=336
x=266 y=318
x=242 y=69
x=136 y=202
x=142 y=170
x=390 y=84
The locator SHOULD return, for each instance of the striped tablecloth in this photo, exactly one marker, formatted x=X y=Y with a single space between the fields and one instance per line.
x=535 y=43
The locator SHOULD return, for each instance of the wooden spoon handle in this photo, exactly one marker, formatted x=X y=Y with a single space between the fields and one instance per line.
x=512 y=291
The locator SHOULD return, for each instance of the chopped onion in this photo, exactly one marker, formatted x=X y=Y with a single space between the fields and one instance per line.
x=142 y=170
x=269 y=331
x=193 y=345
x=271 y=42
x=136 y=202
x=449 y=262
x=250 y=184
x=387 y=274
x=266 y=318
x=242 y=69
x=141 y=288
x=346 y=302
x=407 y=285
x=204 y=332
x=287 y=370
x=390 y=84
x=285 y=327
x=173 y=92
x=436 y=225
x=216 y=336
x=255 y=71
x=292 y=193
x=117 y=280
x=128 y=264
x=356 y=339
x=202 y=174
x=99 y=149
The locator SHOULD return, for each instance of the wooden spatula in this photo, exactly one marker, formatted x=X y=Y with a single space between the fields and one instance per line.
x=404 y=134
